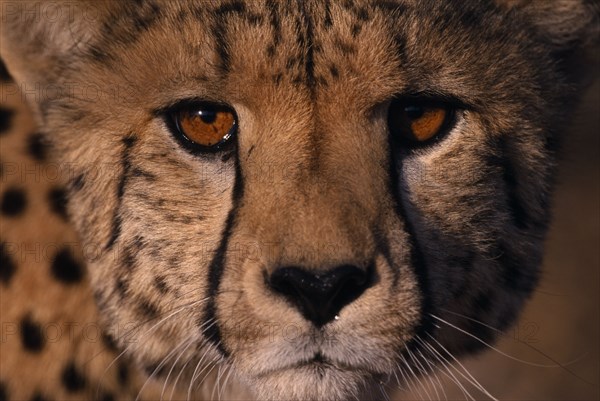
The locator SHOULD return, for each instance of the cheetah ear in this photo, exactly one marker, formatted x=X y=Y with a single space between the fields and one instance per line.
x=38 y=38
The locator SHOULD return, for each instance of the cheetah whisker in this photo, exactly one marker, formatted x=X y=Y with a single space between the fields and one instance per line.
x=424 y=371
x=159 y=367
x=447 y=365
x=190 y=342
x=144 y=336
x=472 y=379
x=434 y=372
x=419 y=380
x=183 y=368
x=411 y=383
x=537 y=350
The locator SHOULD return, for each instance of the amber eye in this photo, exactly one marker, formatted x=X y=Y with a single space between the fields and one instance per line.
x=205 y=126
x=417 y=122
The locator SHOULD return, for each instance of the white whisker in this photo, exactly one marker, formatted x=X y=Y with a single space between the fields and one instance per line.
x=189 y=343
x=556 y=363
x=158 y=367
x=145 y=337
x=472 y=379
x=444 y=362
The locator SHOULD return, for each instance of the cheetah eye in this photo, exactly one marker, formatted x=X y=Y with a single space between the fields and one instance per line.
x=416 y=122
x=204 y=126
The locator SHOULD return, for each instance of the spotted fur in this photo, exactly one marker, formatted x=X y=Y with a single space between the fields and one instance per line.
x=178 y=247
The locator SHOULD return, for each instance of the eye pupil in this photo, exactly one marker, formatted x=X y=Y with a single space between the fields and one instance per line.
x=207 y=116
x=414 y=112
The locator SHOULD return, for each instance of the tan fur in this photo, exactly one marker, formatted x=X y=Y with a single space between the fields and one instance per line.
x=310 y=183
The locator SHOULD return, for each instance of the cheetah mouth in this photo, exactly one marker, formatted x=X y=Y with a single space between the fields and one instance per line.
x=318 y=364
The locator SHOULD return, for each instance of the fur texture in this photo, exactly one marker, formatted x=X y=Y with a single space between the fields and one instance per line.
x=177 y=245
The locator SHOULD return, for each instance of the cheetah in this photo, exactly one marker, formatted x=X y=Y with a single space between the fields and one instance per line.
x=272 y=199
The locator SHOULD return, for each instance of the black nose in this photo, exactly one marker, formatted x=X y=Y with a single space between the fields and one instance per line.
x=320 y=295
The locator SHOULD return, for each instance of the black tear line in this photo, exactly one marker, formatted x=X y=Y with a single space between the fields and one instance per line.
x=218 y=263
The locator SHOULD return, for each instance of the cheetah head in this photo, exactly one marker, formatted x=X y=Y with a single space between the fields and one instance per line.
x=319 y=196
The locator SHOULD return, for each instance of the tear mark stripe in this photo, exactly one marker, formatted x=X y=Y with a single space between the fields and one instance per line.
x=218 y=263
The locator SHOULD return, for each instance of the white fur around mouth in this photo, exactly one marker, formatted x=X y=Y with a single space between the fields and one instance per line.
x=318 y=362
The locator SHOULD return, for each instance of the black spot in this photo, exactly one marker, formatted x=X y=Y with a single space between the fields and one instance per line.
x=334 y=71
x=14 y=202
x=37 y=146
x=139 y=242
x=226 y=156
x=65 y=268
x=138 y=172
x=156 y=369
x=4 y=74
x=77 y=182
x=345 y=47
x=348 y=4
x=72 y=378
x=123 y=373
x=161 y=286
x=129 y=141
x=233 y=7
x=6 y=116
x=277 y=78
x=106 y=396
x=147 y=308
x=38 y=396
x=144 y=21
x=255 y=19
x=96 y=54
x=3 y=392
x=291 y=63
x=109 y=342
x=7 y=265
x=122 y=286
x=32 y=336
x=57 y=197
x=363 y=14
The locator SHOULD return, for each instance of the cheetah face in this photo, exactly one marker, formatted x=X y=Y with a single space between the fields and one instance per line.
x=316 y=195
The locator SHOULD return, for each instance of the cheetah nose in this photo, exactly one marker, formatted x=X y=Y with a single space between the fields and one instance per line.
x=319 y=296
